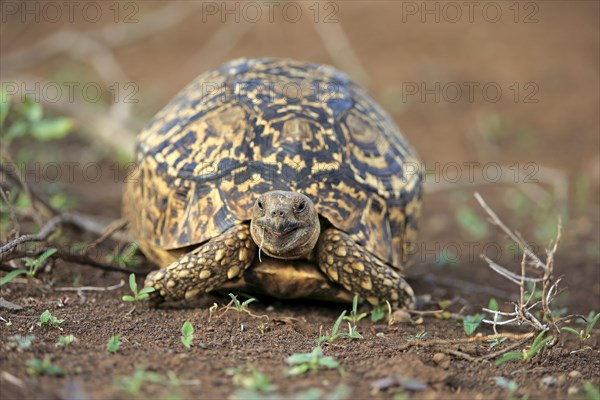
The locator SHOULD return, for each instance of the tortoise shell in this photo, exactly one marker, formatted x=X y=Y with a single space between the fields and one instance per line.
x=255 y=125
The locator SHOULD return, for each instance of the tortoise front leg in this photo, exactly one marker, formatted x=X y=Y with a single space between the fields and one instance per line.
x=205 y=268
x=346 y=262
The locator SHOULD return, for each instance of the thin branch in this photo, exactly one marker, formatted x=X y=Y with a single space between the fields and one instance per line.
x=515 y=345
x=91 y=288
x=42 y=235
x=474 y=339
x=498 y=222
x=109 y=232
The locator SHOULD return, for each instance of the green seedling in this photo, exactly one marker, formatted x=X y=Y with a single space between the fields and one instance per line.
x=21 y=342
x=187 y=334
x=443 y=312
x=471 y=323
x=114 y=344
x=64 y=341
x=61 y=201
x=137 y=296
x=418 y=336
x=334 y=334
x=126 y=258
x=584 y=334
x=353 y=333
x=301 y=363
x=37 y=367
x=132 y=384
x=495 y=341
x=591 y=391
x=249 y=378
x=241 y=307
x=526 y=355
x=507 y=384
x=32 y=264
x=470 y=222
x=355 y=317
x=378 y=312
x=47 y=319
x=26 y=118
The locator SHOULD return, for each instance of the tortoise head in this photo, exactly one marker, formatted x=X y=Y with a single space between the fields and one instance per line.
x=285 y=224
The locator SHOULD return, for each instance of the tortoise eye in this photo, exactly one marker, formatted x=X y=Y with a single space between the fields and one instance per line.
x=260 y=205
x=301 y=206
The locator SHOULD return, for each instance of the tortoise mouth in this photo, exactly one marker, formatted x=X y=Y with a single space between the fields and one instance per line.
x=282 y=242
x=280 y=230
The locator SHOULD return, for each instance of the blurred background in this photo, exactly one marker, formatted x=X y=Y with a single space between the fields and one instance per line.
x=496 y=97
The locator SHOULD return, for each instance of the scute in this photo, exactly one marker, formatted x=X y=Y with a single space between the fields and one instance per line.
x=255 y=125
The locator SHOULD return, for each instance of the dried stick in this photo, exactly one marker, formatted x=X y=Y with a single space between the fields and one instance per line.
x=474 y=339
x=91 y=288
x=522 y=313
x=109 y=231
x=42 y=235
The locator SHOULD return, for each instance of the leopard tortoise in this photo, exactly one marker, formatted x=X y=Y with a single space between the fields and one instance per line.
x=279 y=177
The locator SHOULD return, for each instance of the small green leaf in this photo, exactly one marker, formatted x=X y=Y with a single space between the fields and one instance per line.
x=12 y=274
x=52 y=128
x=128 y=298
x=65 y=340
x=298 y=370
x=114 y=344
x=31 y=110
x=336 y=325
x=471 y=322
x=250 y=300
x=570 y=330
x=147 y=289
x=299 y=358
x=47 y=319
x=510 y=356
x=591 y=323
x=378 y=312
x=187 y=333
x=493 y=304
x=329 y=362
x=471 y=222
x=504 y=383
x=133 y=283
x=43 y=367
x=591 y=391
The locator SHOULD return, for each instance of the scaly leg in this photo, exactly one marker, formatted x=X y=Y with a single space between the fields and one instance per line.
x=205 y=268
x=358 y=271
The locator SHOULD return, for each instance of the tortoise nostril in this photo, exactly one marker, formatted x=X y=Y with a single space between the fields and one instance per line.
x=278 y=213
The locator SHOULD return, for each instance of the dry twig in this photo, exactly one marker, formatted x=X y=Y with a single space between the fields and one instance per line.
x=524 y=312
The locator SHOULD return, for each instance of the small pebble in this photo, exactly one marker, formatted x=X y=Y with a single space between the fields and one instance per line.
x=442 y=360
x=401 y=316
x=573 y=390
x=575 y=374
x=439 y=357
x=561 y=379
x=548 y=381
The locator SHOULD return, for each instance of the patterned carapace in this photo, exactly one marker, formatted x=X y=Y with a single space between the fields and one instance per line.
x=255 y=125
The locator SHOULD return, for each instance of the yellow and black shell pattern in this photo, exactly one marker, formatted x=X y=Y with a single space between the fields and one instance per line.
x=255 y=125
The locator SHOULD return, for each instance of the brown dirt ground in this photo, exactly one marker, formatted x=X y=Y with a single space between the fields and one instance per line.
x=560 y=53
